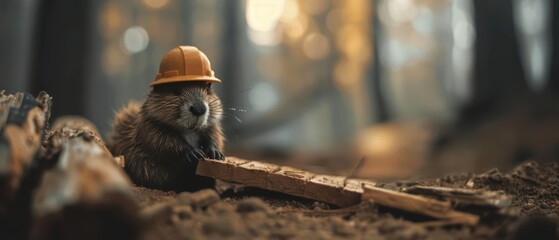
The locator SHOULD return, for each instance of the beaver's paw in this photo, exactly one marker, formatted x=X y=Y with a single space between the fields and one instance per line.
x=213 y=153
x=195 y=155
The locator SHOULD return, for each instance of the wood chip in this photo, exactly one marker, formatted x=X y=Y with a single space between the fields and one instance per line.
x=120 y=161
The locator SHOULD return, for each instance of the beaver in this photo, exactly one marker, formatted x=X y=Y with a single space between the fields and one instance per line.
x=163 y=139
x=178 y=124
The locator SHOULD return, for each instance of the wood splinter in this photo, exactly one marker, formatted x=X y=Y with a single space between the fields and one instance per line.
x=464 y=197
x=418 y=204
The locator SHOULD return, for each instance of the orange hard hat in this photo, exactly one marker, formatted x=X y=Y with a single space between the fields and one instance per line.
x=184 y=64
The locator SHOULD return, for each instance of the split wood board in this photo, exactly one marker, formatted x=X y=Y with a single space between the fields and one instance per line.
x=464 y=197
x=334 y=190
x=418 y=204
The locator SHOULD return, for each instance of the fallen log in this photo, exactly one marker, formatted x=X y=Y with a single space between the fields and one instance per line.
x=334 y=190
x=82 y=168
x=79 y=123
x=418 y=204
x=464 y=197
x=83 y=191
x=23 y=119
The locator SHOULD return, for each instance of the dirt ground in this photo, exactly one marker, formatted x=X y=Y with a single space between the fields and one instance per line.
x=248 y=213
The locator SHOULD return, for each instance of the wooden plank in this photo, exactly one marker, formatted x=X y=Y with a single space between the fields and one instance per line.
x=289 y=180
x=325 y=188
x=254 y=173
x=222 y=170
x=329 y=189
x=464 y=197
x=418 y=204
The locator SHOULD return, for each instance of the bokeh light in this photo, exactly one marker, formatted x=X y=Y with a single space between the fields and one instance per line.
x=112 y=19
x=156 y=4
x=531 y=16
x=316 y=46
x=333 y=20
x=113 y=60
x=135 y=39
x=532 y=24
x=263 y=15
x=263 y=97
x=314 y=7
x=401 y=11
x=290 y=11
x=463 y=33
x=295 y=29
x=267 y=38
x=424 y=21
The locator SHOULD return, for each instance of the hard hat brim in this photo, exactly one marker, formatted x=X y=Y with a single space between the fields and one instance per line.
x=187 y=78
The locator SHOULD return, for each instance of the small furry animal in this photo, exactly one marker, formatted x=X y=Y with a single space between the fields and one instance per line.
x=162 y=140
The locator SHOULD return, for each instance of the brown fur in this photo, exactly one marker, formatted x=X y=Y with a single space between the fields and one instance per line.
x=152 y=137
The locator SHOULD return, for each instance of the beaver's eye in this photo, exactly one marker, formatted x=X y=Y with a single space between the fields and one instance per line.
x=177 y=91
x=208 y=86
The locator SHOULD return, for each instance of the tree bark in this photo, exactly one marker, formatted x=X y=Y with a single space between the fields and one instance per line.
x=83 y=169
x=23 y=120
x=82 y=188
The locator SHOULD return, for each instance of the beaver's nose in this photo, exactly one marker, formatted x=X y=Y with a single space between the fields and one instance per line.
x=198 y=108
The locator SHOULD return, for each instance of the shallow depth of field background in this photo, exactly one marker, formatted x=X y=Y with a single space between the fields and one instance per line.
x=417 y=87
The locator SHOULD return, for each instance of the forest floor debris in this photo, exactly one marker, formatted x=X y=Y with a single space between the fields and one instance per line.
x=257 y=213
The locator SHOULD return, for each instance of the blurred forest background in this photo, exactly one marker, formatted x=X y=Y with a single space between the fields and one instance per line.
x=416 y=86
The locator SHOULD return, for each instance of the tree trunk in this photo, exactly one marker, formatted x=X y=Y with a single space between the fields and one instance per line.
x=60 y=53
x=498 y=74
x=379 y=100
x=553 y=82
x=83 y=188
